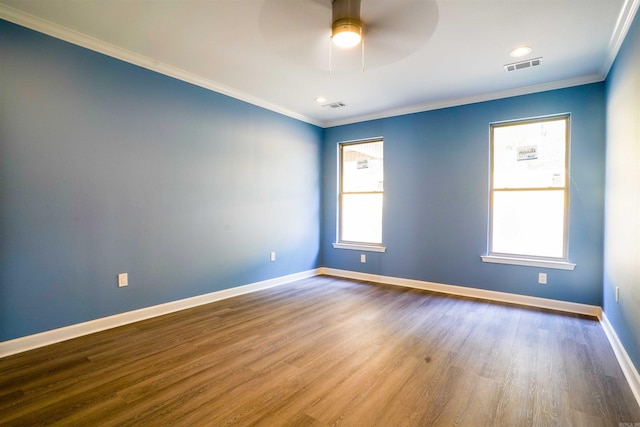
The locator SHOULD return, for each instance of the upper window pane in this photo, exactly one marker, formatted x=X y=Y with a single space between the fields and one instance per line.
x=362 y=167
x=530 y=155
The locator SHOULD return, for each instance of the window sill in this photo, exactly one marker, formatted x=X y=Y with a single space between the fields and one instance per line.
x=359 y=247
x=560 y=265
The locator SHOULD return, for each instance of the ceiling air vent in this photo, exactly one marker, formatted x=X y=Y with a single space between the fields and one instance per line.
x=523 y=64
x=338 y=104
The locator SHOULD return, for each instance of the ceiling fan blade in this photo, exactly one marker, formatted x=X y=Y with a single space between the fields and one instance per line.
x=394 y=30
x=298 y=30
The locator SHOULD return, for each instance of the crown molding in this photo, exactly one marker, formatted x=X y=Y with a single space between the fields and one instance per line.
x=80 y=39
x=491 y=96
x=625 y=19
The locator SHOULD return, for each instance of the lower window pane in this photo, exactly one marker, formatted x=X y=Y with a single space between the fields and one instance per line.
x=362 y=218
x=528 y=223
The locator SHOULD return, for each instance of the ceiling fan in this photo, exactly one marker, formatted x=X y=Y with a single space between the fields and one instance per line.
x=301 y=31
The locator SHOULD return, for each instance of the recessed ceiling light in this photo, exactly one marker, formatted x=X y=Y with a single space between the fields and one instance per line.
x=520 y=51
x=321 y=99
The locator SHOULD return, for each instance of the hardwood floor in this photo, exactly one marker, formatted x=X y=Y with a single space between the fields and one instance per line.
x=327 y=351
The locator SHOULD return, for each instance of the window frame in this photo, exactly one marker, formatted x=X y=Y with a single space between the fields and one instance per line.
x=340 y=243
x=525 y=259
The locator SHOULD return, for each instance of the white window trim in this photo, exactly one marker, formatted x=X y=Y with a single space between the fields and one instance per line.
x=359 y=247
x=561 y=264
x=529 y=262
x=356 y=246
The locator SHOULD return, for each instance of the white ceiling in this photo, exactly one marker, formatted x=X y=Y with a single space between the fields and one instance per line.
x=418 y=54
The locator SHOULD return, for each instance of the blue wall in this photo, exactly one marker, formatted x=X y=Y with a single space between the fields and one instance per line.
x=436 y=196
x=106 y=168
x=622 y=207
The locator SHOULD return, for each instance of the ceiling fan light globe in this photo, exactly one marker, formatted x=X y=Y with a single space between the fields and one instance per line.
x=346 y=33
x=346 y=39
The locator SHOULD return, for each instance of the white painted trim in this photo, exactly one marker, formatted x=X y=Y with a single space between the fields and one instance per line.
x=55 y=30
x=628 y=368
x=483 y=97
x=359 y=247
x=625 y=19
x=80 y=39
x=42 y=339
x=551 y=304
x=559 y=265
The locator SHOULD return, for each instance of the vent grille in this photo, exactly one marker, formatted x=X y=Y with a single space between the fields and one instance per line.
x=338 y=104
x=523 y=64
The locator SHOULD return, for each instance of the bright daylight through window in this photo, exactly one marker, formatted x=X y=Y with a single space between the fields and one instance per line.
x=530 y=189
x=361 y=193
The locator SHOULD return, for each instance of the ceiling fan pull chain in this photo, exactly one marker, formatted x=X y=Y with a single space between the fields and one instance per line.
x=363 y=54
x=330 y=50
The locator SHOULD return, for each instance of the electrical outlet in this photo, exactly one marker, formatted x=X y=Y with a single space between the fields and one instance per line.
x=272 y=257
x=363 y=258
x=617 y=294
x=542 y=278
x=123 y=280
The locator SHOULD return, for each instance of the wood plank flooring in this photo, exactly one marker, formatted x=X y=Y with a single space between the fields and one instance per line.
x=327 y=351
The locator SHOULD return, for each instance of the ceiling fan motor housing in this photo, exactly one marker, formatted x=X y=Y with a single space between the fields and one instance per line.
x=346 y=16
x=347 y=25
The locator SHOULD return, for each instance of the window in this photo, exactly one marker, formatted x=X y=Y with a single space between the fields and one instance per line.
x=529 y=193
x=361 y=195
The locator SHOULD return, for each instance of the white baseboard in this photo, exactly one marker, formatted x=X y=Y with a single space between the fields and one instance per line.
x=570 y=307
x=628 y=368
x=53 y=336
x=29 y=342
